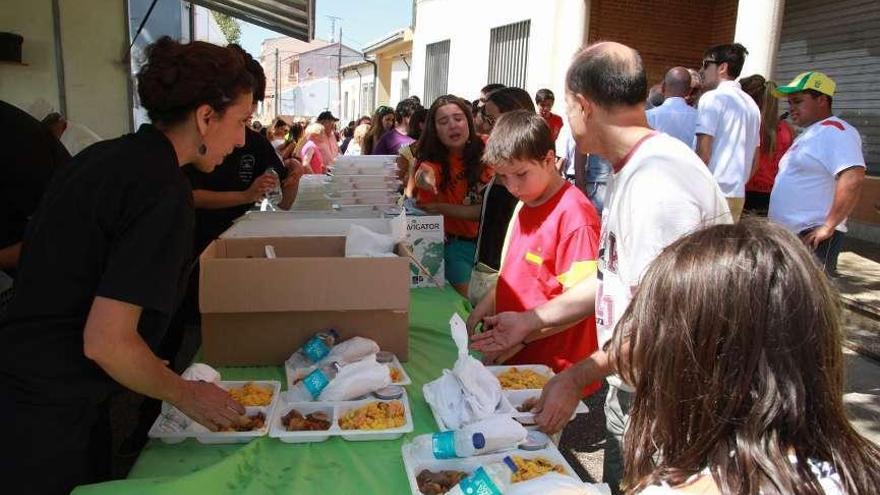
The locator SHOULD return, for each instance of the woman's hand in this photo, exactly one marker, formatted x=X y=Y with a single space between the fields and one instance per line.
x=426 y=179
x=210 y=406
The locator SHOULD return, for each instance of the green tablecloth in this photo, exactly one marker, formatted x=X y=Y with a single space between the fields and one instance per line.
x=337 y=466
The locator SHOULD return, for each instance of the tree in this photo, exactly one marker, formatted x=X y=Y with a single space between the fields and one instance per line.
x=229 y=26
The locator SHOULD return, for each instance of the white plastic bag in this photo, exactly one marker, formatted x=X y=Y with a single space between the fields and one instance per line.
x=469 y=392
x=357 y=379
x=349 y=351
x=363 y=242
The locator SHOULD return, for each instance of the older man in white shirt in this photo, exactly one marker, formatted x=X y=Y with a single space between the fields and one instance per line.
x=675 y=117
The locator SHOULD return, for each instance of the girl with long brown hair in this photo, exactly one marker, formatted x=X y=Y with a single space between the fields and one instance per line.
x=733 y=344
x=450 y=179
x=383 y=121
x=776 y=138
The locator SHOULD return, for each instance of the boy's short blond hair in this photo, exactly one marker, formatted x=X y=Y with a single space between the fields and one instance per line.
x=518 y=135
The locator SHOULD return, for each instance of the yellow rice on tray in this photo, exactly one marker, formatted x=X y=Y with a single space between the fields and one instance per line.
x=252 y=395
x=528 y=469
x=374 y=416
x=520 y=379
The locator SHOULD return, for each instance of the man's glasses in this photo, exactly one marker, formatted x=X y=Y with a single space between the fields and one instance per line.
x=707 y=63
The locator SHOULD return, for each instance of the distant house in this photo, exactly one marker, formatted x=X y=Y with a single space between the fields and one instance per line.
x=380 y=78
x=358 y=90
x=304 y=76
x=313 y=81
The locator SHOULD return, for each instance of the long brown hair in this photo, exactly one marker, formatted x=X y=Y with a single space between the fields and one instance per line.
x=430 y=148
x=764 y=94
x=376 y=130
x=735 y=354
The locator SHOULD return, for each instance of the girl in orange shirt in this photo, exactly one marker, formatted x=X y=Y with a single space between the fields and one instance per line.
x=450 y=180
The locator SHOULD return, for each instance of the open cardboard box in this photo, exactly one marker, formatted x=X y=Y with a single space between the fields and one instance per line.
x=424 y=234
x=258 y=311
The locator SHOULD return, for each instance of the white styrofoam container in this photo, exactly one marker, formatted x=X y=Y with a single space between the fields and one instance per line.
x=537 y=368
x=336 y=410
x=414 y=464
x=405 y=380
x=404 y=376
x=277 y=430
x=518 y=397
x=382 y=181
x=204 y=435
x=362 y=160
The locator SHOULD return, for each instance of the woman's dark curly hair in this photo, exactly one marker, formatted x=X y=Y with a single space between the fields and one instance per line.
x=430 y=148
x=178 y=78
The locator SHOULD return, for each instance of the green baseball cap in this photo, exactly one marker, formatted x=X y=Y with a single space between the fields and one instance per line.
x=816 y=81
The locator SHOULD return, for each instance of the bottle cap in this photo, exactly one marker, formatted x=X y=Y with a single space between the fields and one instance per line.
x=535 y=440
x=479 y=440
x=510 y=464
x=390 y=392
x=384 y=357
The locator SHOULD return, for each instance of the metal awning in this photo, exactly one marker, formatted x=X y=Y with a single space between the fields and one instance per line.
x=294 y=18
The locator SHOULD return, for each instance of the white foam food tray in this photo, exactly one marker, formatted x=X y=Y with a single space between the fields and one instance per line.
x=166 y=430
x=414 y=464
x=519 y=396
x=335 y=410
x=405 y=380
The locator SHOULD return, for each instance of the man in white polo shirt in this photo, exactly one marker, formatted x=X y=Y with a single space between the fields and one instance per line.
x=821 y=175
x=728 y=124
x=675 y=117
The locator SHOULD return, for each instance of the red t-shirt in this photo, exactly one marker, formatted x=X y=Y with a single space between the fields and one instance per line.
x=768 y=165
x=555 y=123
x=457 y=193
x=550 y=248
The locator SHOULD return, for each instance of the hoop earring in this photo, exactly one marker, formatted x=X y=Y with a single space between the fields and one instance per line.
x=203 y=149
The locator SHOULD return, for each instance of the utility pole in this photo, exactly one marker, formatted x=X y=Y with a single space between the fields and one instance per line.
x=277 y=96
x=339 y=77
x=333 y=20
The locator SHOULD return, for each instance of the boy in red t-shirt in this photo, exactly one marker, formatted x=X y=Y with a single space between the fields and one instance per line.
x=552 y=244
x=544 y=98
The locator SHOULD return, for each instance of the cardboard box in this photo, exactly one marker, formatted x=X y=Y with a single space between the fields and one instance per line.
x=258 y=311
x=423 y=233
x=426 y=239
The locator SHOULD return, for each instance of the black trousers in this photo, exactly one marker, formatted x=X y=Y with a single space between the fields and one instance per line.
x=51 y=448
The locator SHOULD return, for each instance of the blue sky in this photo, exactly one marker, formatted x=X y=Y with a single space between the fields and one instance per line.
x=363 y=22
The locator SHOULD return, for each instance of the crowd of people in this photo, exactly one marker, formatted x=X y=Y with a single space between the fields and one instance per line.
x=626 y=245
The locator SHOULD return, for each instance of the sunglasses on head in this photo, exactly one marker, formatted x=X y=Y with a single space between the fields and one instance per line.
x=707 y=63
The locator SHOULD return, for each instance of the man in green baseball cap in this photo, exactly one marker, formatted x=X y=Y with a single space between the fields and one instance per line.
x=821 y=175
x=809 y=81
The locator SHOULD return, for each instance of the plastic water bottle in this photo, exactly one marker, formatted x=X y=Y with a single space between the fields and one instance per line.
x=450 y=444
x=310 y=387
x=494 y=479
x=314 y=350
x=274 y=194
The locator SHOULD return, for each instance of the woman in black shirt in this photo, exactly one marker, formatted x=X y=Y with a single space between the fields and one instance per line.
x=101 y=272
